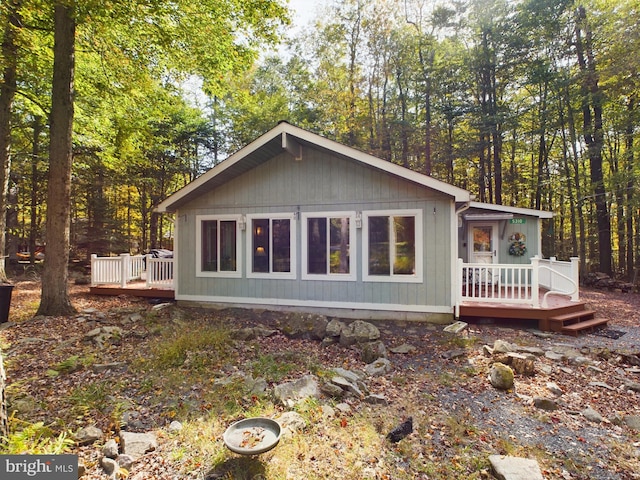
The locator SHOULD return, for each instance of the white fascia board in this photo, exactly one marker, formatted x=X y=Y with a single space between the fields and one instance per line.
x=515 y=210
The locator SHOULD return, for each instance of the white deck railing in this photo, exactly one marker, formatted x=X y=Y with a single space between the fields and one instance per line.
x=158 y=272
x=516 y=284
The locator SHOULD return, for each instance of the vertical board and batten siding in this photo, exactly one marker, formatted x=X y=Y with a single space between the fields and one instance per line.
x=531 y=230
x=321 y=183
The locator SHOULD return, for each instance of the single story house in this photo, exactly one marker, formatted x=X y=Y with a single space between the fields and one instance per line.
x=297 y=221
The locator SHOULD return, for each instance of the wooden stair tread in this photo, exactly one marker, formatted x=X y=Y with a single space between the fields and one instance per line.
x=573 y=315
x=594 y=322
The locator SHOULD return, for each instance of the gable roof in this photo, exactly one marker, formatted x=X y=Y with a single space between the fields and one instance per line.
x=287 y=137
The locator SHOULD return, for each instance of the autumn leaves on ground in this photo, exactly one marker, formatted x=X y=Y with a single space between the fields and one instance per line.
x=183 y=364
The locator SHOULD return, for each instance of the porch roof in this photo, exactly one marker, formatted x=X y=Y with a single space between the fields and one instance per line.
x=505 y=209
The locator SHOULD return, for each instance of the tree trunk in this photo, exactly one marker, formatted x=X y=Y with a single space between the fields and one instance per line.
x=594 y=136
x=55 y=291
x=7 y=95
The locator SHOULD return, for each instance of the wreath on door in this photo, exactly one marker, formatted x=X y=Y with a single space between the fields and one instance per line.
x=518 y=246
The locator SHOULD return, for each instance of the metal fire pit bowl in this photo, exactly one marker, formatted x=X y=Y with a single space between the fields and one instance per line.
x=252 y=436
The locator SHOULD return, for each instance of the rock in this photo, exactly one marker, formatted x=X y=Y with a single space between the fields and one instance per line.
x=305 y=326
x=544 y=368
x=632 y=421
x=88 y=435
x=514 y=468
x=555 y=389
x=347 y=386
x=290 y=393
x=592 y=415
x=175 y=427
x=522 y=364
x=545 y=404
x=331 y=390
x=501 y=376
x=487 y=351
x=109 y=465
x=110 y=449
x=601 y=385
x=103 y=367
x=125 y=461
x=256 y=386
x=372 y=351
x=537 y=351
x=500 y=346
x=291 y=422
x=458 y=352
x=378 y=368
x=403 y=349
x=334 y=328
x=556 y=357
x=343 y=408
x=376 y=399
x=456 y=327
x=359 y=332
x=137 y=444
x=633 y=386
x=244 y=334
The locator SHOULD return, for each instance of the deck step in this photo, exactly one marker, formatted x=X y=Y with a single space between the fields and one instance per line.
x=558 y=322
x=574 y=328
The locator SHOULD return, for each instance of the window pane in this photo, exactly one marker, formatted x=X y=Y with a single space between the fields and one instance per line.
x=405 y=245
x=317 y=245
x=339 y=236
x=281 y=246
x=210 y=246
x=379 y=246
x=260 y=229
x=228 y=246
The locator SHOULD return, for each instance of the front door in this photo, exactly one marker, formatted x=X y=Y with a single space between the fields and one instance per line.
x=483 y=242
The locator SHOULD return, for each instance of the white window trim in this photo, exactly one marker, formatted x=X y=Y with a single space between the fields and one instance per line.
x=345 y=277
x=292 y=242
x=205 y=273
x=418 y=276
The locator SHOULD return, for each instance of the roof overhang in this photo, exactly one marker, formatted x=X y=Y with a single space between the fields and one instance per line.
x=289 y=138
x=492 y=209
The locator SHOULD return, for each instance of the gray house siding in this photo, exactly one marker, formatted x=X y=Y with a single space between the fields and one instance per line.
x=321 y=182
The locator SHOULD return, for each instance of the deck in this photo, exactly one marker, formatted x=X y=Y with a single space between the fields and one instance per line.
x=561 y=315
x=134 y=289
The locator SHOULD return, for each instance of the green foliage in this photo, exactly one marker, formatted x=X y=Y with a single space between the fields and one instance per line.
x=34 y=439
x=202 y=345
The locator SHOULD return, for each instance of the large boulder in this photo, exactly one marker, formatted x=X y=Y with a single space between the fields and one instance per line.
x=501 y=376
x=305 y=326
x=359 y=332
x=290 y=393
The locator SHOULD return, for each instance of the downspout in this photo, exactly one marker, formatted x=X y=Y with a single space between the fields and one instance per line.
x=456 y=287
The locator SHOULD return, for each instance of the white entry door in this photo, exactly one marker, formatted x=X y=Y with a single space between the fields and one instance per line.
x=483 y=243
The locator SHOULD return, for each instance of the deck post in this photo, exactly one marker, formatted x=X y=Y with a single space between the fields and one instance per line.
x=125 y=266
x=93 y=269
x=150 y=269
x=535 y=282
x=575 y=276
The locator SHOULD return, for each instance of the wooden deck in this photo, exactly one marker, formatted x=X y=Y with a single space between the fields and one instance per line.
x=134 y=289
x=561 y=315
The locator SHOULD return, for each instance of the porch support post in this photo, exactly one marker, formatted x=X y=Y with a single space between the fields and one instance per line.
x=535 y=282
x=575 y=276
x=125 y=266
x=458 y=287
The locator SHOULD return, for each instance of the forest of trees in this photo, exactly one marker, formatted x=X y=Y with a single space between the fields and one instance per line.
x=530 y=103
